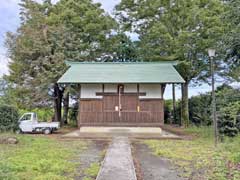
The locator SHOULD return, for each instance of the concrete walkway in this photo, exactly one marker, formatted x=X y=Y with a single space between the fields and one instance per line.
x=131 y=132
x=118 y=162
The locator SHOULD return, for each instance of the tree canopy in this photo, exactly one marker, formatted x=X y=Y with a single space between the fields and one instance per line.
x=176 y=30
x=80 y=30
x=232 y=40
x=50 y=34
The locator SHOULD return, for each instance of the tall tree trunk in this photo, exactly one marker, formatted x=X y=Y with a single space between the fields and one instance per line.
x=181 y=112
x=57 y=103
x=65 y=108
x=185 y=110
x=174 y=102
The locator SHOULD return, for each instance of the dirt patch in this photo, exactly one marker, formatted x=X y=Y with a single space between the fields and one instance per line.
x=137 y=165
x=152 y=167
x=93 y=154
x=8 y=140
x=177 y=130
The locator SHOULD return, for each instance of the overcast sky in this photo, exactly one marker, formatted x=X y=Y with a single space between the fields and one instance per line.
x=9 y=21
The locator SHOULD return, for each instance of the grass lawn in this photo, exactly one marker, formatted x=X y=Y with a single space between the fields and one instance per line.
x=40 y=158
x=92 y=171
x=198 y=158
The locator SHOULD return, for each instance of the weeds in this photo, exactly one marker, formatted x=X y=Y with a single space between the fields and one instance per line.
x=199 y=158
x=39 y=158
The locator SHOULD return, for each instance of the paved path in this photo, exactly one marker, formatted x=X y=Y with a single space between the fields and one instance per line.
x=118 y=162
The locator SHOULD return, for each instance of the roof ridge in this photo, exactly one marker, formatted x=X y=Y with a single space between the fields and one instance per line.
x=138 y=62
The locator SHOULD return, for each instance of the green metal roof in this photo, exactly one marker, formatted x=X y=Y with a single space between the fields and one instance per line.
x=159 y=72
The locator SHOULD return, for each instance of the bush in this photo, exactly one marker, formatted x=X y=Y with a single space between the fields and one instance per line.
x=72 y=115
x=167 y=111
x=44 y=114
x=228 y=121
x=199 y=109
x=8 y=118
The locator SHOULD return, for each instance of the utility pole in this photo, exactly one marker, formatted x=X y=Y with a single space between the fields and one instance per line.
x=211 y=53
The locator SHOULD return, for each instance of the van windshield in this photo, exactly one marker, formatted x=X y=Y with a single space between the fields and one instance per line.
x=26 y=117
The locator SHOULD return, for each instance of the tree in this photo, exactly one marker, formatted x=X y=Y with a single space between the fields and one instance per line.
x=232 y=40
x=227 y=100
x=65 y=107
x=123 y=48
x=50 y=34
x=176 y=30
x=3 y=86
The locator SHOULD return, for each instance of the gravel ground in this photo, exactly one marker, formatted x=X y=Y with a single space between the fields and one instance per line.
x=150 y=167
x=93 y=154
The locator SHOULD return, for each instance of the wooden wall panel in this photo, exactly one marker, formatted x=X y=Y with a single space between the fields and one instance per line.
x=90 y=111
x=110 y=117
x=129 y=103
x=109 y=103
x=91 y=106
x=97 y=112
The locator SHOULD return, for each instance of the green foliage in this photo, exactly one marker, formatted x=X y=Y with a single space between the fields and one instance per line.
x=200 y=109
x=92 y=172
x=232 y=40
x=8 y=118
x=227 y=99
x=39 y=158
x=124 y=49
x=48 y=35
x=228 y=102
x=227 y=122
x=168 y=111
x=203 y=132
x=72 y=115
x=177 y=30
x=198 y=159
x=44 y=114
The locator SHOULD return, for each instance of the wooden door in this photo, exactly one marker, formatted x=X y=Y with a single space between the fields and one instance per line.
x=120 y=109
x=110 y=114
x=129 y=104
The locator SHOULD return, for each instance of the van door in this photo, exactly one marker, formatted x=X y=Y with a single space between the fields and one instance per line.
x=26 y=122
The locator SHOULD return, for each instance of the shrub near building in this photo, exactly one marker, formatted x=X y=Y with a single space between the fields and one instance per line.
x=8 y=118
x=228 y=121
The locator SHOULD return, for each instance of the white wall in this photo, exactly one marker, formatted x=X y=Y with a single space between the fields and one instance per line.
x=152 y=91
x=130 y=88
x=89 y=90
x=110 y=88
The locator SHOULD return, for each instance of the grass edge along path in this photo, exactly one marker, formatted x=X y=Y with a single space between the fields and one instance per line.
x=198 y=158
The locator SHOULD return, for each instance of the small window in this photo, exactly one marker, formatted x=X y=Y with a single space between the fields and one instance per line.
x=26 y=117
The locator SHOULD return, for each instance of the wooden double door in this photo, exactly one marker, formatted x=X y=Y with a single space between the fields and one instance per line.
x=121 y=110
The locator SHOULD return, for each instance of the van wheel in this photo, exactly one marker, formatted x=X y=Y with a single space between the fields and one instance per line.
x=47 y=131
